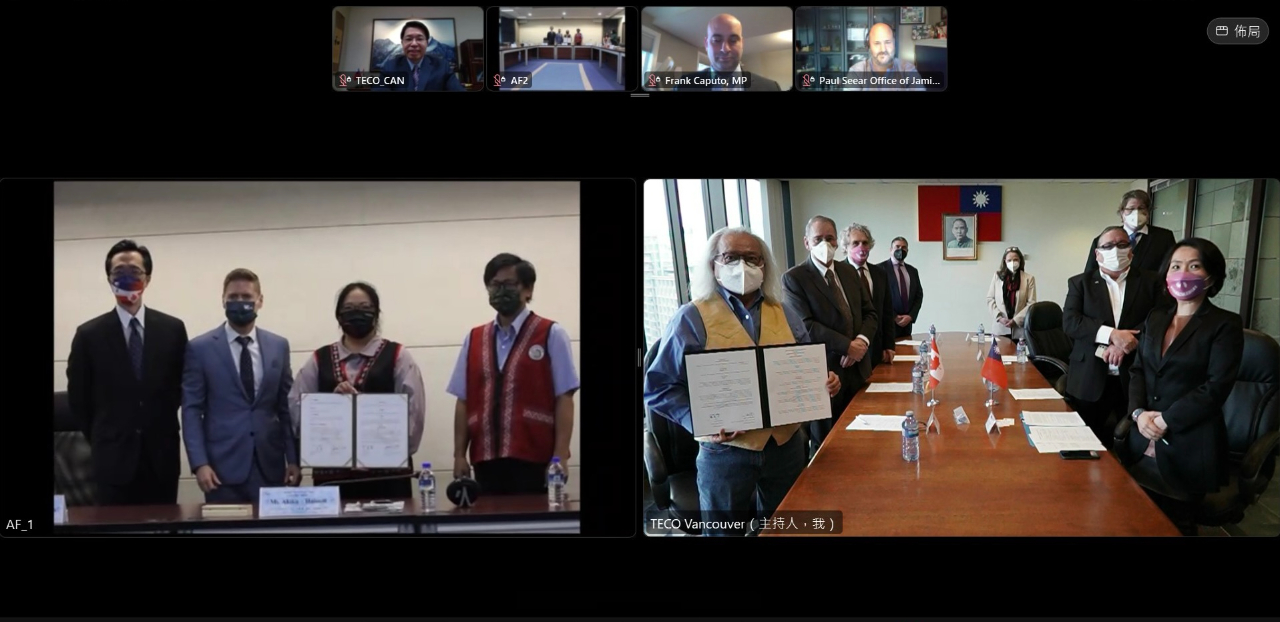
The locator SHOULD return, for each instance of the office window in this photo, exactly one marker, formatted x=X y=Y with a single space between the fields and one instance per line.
x=1222 y=216
x=755 y=208
x=1266 y=280
x=733 y=202
x=1170 y=209
x=659 y=274
x=693 y=218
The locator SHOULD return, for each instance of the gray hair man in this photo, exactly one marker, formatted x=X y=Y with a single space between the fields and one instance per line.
x=856 y=242
x=736 y=303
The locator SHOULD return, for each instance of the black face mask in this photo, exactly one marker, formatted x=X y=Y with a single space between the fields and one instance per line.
x=505 y=301
x=356 y=323
x=900 y=254
x=240 y=312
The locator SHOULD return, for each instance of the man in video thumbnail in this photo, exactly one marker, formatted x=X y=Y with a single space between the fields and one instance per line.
x=883 y=62
x=422 y=71
x=724 y=48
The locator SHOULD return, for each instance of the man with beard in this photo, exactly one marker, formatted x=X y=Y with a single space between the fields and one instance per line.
x=421 y=71
x=882 y=64
x=724 y=48
x=235 y=401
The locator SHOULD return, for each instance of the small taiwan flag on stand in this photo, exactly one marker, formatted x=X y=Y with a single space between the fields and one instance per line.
x=993 y=368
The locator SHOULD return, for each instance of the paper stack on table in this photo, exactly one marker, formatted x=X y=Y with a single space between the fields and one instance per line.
x=889 y=387
x=914 y=344
x=1052 y=432
x=878 y=423
x=1034 y=394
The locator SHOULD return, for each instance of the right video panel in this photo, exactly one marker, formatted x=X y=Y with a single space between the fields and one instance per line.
x=871 y=48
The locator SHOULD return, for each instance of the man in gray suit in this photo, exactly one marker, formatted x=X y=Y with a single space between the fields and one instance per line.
x=235 y=402
x=724 y=49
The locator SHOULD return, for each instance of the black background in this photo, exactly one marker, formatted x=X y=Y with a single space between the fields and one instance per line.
x=1036 y=90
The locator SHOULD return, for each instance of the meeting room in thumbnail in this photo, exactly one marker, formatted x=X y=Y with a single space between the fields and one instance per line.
x=560 y=48
x=408 y=48
x=716 y=48
x=960 y=357
x=871 y=48
x=239 y=311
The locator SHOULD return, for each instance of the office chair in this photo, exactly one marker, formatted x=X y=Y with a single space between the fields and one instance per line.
x=1047 y=344
x=1253 y=433
x=72 y=456
x=671 y=462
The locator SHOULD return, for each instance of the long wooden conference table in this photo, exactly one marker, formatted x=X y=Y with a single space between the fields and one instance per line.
x=523 y=514
x=610 y=57
x=967 y=482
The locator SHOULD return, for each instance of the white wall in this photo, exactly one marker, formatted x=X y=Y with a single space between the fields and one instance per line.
x=357 y=40
x=778 y=65
x=684 y=54
x=1051 y=222
x=534 y=31
x=423 y=245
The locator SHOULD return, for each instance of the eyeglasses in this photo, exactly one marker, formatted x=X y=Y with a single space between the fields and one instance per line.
x=136 y=273
x=1119 y=245
x=729 y=259
x=1012 y=248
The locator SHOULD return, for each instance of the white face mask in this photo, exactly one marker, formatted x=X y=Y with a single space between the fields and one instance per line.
x=1116 y=260
x=1012 y=265
x=821 y=252
x=1135 y=219
x=739 y=278
x=841 y=254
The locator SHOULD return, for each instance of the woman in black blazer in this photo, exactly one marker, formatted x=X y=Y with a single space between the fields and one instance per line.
x=1186 y=366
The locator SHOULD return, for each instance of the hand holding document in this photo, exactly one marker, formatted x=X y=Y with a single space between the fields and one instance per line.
x=746 y=389
x=878 y=423
x=327 y=435
x=382 y=430
x=365 y=431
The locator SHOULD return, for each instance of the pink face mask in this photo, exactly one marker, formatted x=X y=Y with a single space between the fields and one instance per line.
x=1185 y=285
x=860 y=254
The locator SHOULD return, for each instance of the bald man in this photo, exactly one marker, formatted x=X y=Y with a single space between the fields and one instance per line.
x=724 y=48
x=883 y=62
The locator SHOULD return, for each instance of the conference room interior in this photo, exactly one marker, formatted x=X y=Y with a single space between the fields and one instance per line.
x=366 y=37
x=674 y=42
x=424 y=247
x=1052 y=221
x=831 y=41
x=538 y=49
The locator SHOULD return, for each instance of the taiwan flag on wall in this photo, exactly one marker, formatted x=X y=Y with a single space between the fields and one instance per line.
x=934 y=201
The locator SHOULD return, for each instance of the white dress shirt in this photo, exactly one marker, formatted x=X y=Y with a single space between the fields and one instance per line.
x=125 y=319
x=1115 y=287
x=255 y=354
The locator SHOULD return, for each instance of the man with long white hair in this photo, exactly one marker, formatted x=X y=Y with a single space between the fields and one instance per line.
x=737 y=302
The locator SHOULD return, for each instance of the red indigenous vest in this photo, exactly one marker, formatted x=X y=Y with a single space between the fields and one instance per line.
x=511 y=413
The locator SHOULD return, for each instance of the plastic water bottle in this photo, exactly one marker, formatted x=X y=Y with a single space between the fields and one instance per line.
x=924 y=354
x=917 y=379
x=933 y=331
x=427 y=489
x=981 y=332
x=1022 y=350
x=555 y=484
x=910 y=438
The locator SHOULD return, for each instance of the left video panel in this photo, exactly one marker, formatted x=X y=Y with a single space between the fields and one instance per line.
x=408 y=48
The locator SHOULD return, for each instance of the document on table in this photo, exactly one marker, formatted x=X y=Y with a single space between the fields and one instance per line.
x=906 y=358
x=1056 y=419
x=889 y=387
x=744 y=389
x=796 y=384
x=327 y=430
x=724 y=391
x=1034 y=394
x=878 y=423
x=1010 y=359
x=382 y=430
x=914 y=344
x=1053 y=439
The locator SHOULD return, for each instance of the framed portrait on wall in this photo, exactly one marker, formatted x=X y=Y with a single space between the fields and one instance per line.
x=960 y=237
x=442 y=40
x=911 y=15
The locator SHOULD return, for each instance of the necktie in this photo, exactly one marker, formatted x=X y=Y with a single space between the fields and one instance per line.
x=1133 y=238
x=840 y=302
x=902 y=289
x=415 y=77
x=246 y=366
x=865 y=279
x=135 y=346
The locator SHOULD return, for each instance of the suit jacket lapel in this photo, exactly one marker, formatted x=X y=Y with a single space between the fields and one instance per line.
x=821 y=280
x=1134 y=287
x=222 y=352
x=1194 y=323
x=266 y=343
x=117 y=343
x=1102 y=293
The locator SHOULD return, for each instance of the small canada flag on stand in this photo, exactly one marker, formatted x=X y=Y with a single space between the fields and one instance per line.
x=935 y=364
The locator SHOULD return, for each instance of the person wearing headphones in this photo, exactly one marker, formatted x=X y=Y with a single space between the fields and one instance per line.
x=883 y=63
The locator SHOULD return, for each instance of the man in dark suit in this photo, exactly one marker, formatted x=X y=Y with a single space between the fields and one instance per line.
x=1104 y=312
x=903 y=278
x=858 y=243
x=124 y=386
x=1149 y=243
x=235 y=404
x=421 y=71
x=827 y=296
x=724 y=50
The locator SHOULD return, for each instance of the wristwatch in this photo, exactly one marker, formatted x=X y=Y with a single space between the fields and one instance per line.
x=1136 y=412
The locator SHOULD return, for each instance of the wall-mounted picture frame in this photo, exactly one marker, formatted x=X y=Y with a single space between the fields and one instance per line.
x=960 y=232
x=910 y=15
x=442 y=40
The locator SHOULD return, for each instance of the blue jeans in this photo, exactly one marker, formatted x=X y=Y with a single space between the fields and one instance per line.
x=728 y=477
